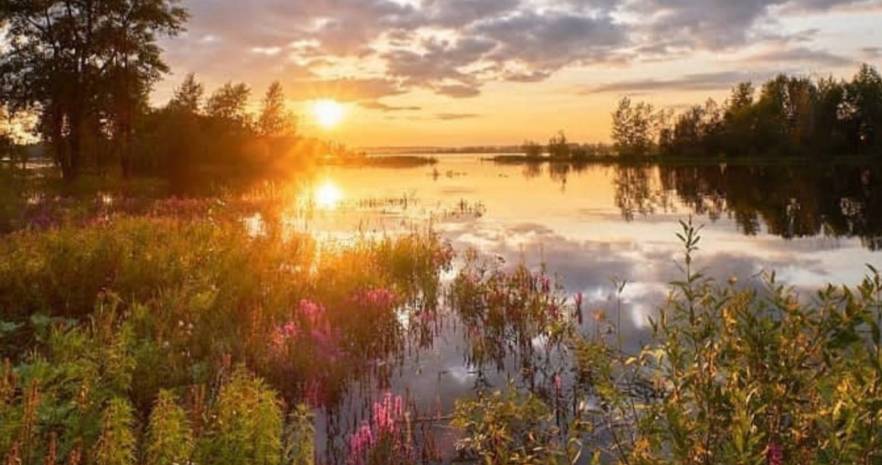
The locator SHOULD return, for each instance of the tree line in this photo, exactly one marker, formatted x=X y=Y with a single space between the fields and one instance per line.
x=789 y=115
x=85 y=70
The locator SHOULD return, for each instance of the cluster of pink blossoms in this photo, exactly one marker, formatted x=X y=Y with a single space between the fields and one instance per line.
x=379 y=299
x=314 y=315
x=775 y=454
x=387 y=415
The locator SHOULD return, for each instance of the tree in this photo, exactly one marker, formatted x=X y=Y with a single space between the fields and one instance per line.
x=634 y=126
x=532 y=149
x=559 y=147
x=81 y=62
x=228 y=104
x=862 y=110
x=274 y=119
x=188 y=96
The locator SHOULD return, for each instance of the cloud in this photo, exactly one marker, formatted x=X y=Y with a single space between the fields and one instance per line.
x=689 y=82
x=379 y=106
x=456 y=47
x=721 y=24
x=346 y=90
x=455 y=116
x=802 y=55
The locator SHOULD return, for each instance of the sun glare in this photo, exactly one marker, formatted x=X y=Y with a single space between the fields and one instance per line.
x=328 y=196
x=328 y=113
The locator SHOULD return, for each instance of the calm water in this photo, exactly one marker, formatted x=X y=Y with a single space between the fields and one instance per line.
x=594 y=224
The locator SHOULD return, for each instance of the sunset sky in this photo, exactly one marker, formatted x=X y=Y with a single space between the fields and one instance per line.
x=461 y=72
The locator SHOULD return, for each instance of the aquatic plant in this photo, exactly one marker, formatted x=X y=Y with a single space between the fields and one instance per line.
x=507 y=427
x=387 y=438
x=505 y=311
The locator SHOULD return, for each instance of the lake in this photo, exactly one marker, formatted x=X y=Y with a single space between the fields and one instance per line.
x=595 y=226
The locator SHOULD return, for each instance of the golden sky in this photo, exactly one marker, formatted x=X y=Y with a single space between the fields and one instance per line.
x=469 y=72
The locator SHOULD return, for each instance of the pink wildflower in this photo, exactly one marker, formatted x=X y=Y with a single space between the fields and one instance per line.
x=283 y=335
x=546 y=284
x=558 y=386
x=386 y=416
x=775 y=454
x=377 y=299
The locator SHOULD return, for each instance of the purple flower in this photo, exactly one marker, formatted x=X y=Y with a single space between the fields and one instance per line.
x=775 y=454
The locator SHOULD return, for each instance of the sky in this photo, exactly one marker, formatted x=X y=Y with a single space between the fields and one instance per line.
x=482 y=72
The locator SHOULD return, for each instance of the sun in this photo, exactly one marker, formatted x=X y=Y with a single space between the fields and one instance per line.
x=328 y=113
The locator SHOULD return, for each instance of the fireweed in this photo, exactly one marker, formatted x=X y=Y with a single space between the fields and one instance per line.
x=387 y=438
x=206 y=336
x=131 y=314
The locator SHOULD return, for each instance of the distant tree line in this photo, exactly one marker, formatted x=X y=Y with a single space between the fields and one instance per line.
x=788 y=116
x=559 y=148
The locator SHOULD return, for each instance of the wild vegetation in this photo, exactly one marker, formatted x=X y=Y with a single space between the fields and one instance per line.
x=168 y=331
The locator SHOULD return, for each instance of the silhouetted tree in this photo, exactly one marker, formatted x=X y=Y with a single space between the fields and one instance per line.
x=558 y=146
x=274 y=119
x=228 y=104
x=532 y=149
x=862 y=110
x=188 y=96
x=791 y=116
x=81 y=63
x=634 y=128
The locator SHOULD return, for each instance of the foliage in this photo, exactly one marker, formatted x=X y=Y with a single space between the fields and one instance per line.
x=559 y=147
x=116 y=444
x=508 y=428
x=788 y=116
x=274 y=120
x=169 y=435
x=246 y=424
x=633 y=128
x=732 y=375
x=83 y=64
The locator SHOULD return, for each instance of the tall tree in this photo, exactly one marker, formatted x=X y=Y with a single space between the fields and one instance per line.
x=188 y=96
x=274 y=119
x=634 y=126
x=81 y=60
x=229 y=104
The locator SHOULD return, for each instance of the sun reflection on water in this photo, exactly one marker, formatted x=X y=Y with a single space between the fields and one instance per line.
x=327 y=195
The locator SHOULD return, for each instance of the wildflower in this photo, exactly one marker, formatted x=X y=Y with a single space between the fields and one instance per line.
x=386 y=416
x=775 y=454
x=378 y=299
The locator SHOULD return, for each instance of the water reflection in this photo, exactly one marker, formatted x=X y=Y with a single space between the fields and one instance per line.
x=327 y=195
